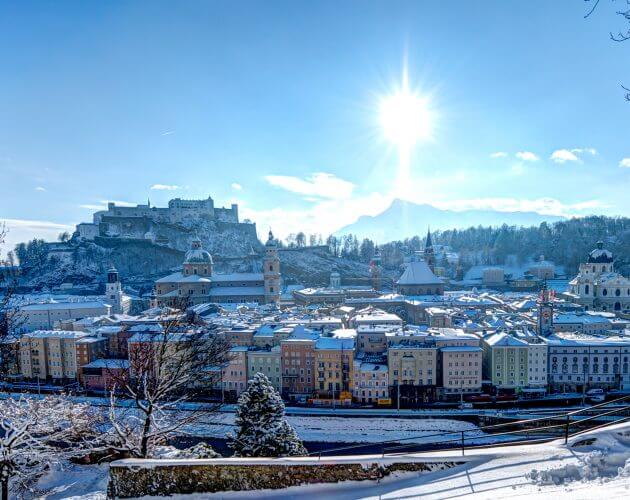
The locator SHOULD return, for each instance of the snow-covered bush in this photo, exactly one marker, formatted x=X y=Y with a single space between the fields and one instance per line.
x=262 y=429
x=37 y=433
x=200 y=450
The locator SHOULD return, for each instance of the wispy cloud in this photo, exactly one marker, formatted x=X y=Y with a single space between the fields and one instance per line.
x=40 y=189
x=527 y=156
x=236 y=186
x=499 y=154
x=319 y=184
x=165 y=187
x=168 y=132
x=625 y=163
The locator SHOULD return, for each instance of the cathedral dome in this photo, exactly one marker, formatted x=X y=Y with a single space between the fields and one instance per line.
x=600 y=255
x=196 y=254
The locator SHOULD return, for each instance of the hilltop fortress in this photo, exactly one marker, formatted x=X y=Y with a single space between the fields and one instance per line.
x=140 y=222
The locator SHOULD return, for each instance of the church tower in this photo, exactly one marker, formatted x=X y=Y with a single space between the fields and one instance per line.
x=429 y=256
x=545 y=312
x=113 y=291
x=271 y=270
x=375 y=269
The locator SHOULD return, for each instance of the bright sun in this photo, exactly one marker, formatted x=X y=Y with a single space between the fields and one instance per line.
x=405 y=118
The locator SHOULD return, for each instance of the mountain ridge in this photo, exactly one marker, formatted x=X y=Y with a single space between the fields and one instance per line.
x=405 y=219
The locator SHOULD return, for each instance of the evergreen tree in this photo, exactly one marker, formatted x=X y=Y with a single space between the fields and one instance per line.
x=262 y=429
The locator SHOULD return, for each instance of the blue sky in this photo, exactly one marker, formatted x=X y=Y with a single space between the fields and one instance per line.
x=275 y=105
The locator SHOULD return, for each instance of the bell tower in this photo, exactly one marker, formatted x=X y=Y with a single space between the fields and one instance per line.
x=545 y=312
x=271 y=270
x=113 y=291
x=375 y=269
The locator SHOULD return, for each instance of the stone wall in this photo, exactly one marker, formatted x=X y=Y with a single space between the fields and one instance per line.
x=136 y=477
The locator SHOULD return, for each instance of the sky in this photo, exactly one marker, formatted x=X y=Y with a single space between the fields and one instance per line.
x=278 y=106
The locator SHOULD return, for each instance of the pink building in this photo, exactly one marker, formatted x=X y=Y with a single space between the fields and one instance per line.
x=103 y=374
x=234 y=372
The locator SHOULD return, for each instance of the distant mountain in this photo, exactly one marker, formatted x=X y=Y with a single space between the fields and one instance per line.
x=403 y=219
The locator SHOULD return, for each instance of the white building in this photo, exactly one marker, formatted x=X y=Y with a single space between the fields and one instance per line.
x=46 y=315
x=579 y=362
x=597 y=286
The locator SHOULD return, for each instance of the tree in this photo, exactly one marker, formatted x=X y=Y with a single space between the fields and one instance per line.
x=37 y=433
x=300 y=239
x=10 y=319
x=64 y=237
x=622 y=35
x=263 y=430
x=167 y=369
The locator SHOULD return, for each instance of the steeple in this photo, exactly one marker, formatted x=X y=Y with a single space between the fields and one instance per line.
x=429 y=257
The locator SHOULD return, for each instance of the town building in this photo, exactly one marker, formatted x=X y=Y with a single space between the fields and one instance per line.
x=266 y=362
x=413 y=372
x=597 y=286
x=370 y=382
x=333 y=363
x=102 y=375
x=298 y=365
x=579 y=362
x=419 y=279
x=50 y=355
x=197 y=283
x=47 y=315
x=461 y=370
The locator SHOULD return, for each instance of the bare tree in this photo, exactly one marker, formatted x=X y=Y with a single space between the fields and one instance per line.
x=10 y=319
x=37 y=433
x=623 y=34
x=168 y=371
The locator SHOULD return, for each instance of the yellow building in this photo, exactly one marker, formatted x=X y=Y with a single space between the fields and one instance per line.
x=333 y=364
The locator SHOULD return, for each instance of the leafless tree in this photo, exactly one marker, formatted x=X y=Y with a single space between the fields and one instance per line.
x=168 y=372
x=10 y=319
x=38 y=433
x=623 y=34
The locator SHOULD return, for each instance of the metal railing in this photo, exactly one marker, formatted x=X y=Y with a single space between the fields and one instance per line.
x=525 y=431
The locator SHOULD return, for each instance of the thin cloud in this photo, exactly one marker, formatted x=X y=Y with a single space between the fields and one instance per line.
x=625 y=163
x=237 y=186
x=41 y=189
x=103 y=204
x=165 y=187
x=168 y=132
x=499 y=154
x=527 y=156
x=319 y=184
x=543 y=206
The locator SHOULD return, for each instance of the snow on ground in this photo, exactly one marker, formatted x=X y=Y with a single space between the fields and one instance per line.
x=85 y=482
x=349 y=430
x=601 y=458
x=502 y=472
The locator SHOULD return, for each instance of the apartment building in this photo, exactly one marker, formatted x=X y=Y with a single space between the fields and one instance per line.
x=333 y=363
x=370 y=382
x=267 y=362
x=461 y=370
x=298 y=365
x=46 y=315
x=50 y=355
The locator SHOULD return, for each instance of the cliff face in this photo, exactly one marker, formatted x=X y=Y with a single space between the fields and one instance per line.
x=234 y=247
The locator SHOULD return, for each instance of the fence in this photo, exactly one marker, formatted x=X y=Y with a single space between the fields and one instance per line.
x=525 y=431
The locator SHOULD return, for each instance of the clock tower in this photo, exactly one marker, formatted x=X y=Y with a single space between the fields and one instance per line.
x=545 y=312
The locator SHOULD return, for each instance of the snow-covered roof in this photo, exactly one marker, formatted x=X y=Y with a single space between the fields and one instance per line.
x=61 y=334
x=179 y=277
x=571 y=339
x=218 y=278
x=502 y=339
x=108 y=363
x=418 y=273
x=64 y=305
x=334 y=343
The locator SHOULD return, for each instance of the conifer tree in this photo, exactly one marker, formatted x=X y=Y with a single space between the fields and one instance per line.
x=262 y=429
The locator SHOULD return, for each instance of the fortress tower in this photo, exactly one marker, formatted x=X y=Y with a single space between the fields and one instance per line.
x=271 y=270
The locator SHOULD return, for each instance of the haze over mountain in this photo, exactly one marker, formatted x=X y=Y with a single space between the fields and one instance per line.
x=404 y=219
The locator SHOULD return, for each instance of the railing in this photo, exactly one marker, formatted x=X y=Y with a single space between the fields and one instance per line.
x=530 y=431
